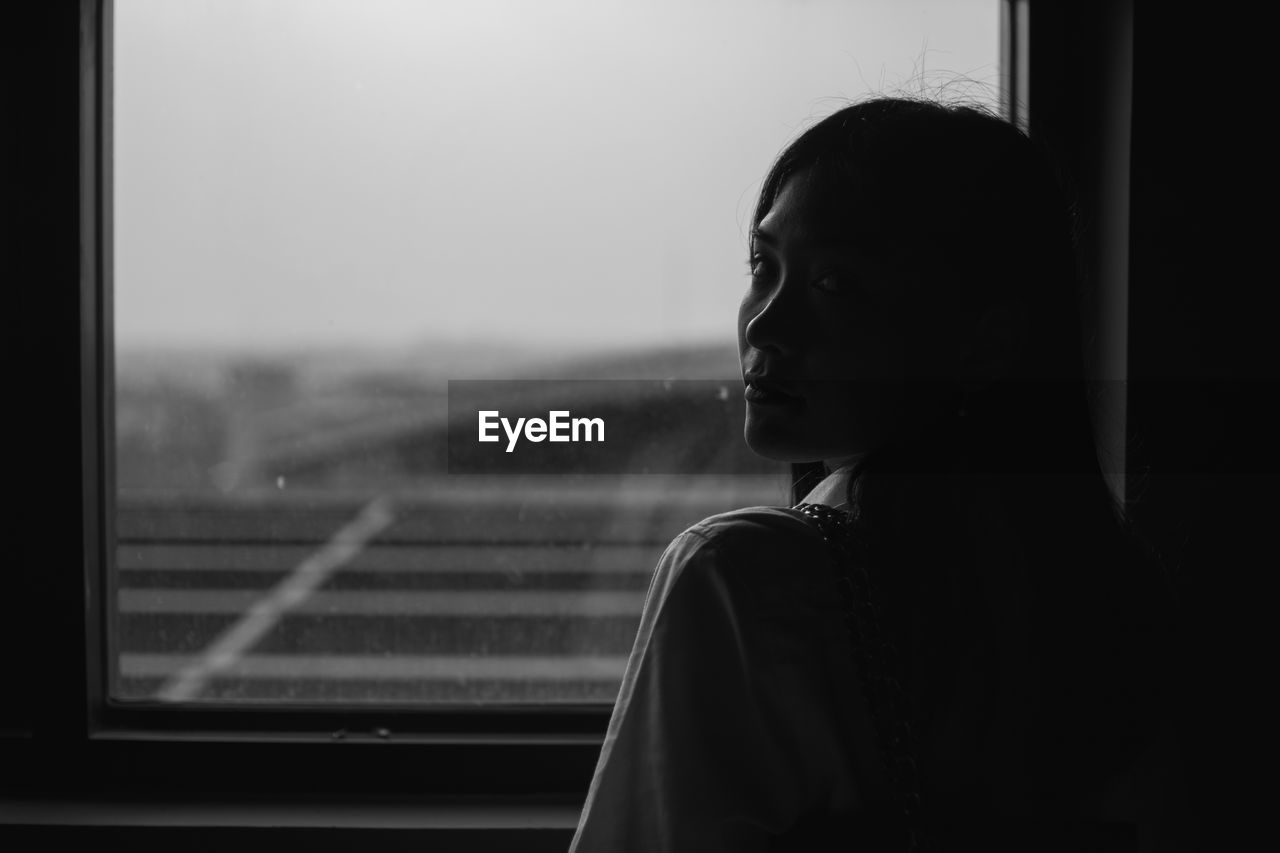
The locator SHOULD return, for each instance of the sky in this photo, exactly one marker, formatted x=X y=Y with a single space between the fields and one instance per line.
x=558 y=173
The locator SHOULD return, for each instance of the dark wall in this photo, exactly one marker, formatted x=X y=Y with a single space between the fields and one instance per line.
x=1185 y=216
x=41 y=335
x=1202 y=363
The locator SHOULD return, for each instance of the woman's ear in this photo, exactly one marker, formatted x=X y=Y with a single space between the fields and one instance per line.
x=995 y=344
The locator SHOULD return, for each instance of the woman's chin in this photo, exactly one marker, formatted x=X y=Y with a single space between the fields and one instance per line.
x=771 y=439
x=777 y=445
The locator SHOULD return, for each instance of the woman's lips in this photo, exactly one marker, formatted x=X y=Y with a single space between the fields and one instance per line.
x=765 y=394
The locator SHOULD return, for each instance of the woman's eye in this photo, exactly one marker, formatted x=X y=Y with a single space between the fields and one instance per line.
x=758 y=267
x=831 y=281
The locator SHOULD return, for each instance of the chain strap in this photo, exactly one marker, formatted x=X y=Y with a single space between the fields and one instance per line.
x=876 y=661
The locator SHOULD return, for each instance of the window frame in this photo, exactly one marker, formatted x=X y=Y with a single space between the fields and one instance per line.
x=514 y=754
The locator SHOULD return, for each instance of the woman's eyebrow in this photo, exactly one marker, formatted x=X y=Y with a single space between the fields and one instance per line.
x=815 y=242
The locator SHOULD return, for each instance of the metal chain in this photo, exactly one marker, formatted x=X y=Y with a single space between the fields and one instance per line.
x=876 y=661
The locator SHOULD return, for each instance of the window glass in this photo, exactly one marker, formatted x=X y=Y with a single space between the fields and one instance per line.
x=326 y=212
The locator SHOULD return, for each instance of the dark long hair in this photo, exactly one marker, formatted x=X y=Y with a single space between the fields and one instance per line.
x=982 y=208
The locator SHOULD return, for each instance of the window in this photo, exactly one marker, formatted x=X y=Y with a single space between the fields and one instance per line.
x=71 y=702
x=323 y=213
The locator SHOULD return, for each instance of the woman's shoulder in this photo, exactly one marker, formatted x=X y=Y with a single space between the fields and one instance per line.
x=754 y=524
x=775 y=552
x=757 y=531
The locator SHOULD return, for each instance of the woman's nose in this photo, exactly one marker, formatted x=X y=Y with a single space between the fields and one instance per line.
x=774 y=324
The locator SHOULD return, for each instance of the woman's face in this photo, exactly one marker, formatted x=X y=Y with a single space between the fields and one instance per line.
x=838 y=343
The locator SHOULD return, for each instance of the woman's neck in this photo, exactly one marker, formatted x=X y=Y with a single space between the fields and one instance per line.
x=835 y=464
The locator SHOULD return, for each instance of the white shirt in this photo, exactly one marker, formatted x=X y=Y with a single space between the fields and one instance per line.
x=833 y=489
x=739 y=725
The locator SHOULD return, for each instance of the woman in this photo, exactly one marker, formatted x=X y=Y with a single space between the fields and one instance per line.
x=910 y=341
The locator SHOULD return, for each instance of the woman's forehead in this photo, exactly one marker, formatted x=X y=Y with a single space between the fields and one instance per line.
x=814 y=212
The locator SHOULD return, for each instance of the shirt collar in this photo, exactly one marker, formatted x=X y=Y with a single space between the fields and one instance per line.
x=833 y=489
